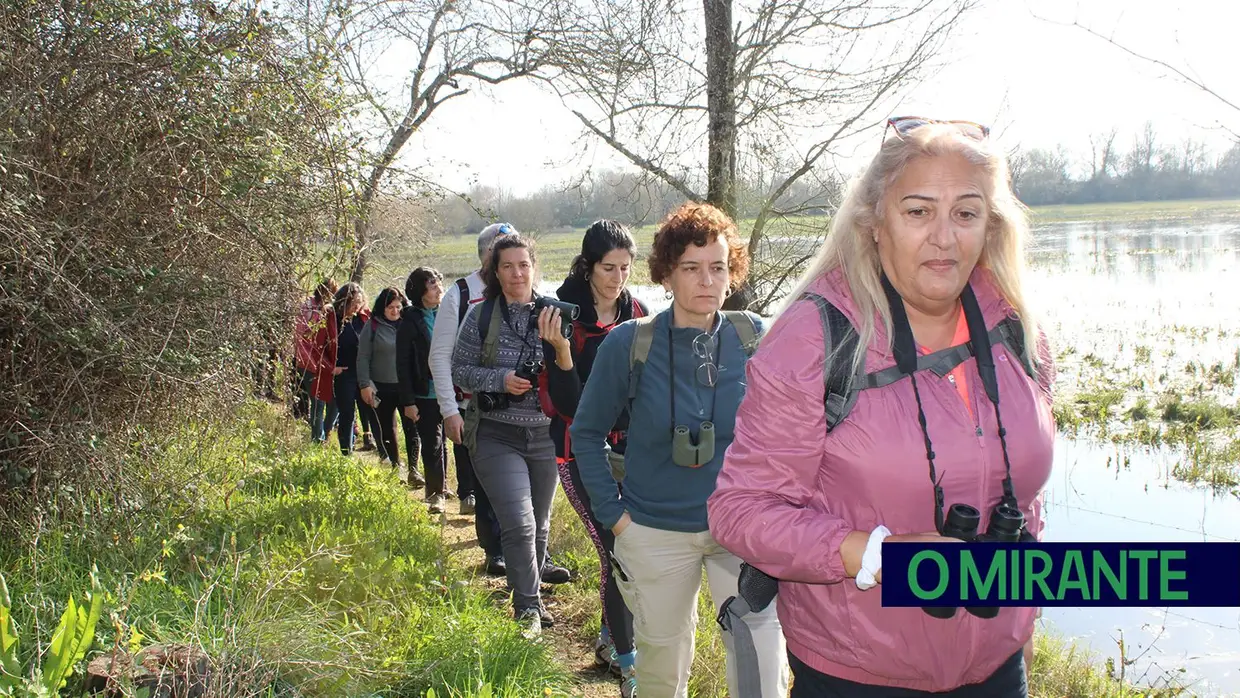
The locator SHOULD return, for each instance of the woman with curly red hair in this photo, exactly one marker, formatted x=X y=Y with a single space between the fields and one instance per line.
x=682 y=401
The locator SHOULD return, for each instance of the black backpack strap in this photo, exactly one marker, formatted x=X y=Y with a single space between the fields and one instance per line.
x=840 y=349
x=488 y=320
x=1011 y=333
x=463 y=289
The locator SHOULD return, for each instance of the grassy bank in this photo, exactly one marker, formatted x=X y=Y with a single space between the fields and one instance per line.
x=295 y=570
x=1140 y=211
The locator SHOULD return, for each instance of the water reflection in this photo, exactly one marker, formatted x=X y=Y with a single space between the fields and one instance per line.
x=1121 y=249
x=1102 y=493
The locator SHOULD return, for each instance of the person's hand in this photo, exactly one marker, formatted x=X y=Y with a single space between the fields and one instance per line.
x=549 y=328
x=338 y=370
x=914 y=538
x=454 y=427
x=853 y=548
x=411 y=411
x=514 y=385
x=622 y=524
x=368 y=395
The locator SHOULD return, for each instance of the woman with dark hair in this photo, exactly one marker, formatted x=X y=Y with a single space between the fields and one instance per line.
x=379 y=381
x=597 y=284
x=497 y=359
x=682 y=401
x=417 y=388
x=352 y=316
x=323 y=412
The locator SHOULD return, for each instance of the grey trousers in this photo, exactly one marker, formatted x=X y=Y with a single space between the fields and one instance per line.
x=516 y=466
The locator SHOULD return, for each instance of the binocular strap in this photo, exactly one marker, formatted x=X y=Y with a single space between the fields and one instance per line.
x=732 y=618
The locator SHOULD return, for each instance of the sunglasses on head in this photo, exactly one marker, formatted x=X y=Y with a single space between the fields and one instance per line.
x=904 y=124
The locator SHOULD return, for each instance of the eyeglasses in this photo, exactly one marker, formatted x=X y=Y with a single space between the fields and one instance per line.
x=708 y=371
x=904 y=124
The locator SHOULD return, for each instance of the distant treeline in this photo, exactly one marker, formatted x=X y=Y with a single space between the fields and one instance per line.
x=632 y=197
x=1147 y=169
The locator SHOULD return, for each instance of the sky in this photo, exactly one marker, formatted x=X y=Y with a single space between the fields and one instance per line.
x=1016 y=65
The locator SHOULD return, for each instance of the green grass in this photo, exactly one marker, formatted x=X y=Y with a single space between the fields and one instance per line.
x=1062 y=669
x=310 y=567
x=1138 y=211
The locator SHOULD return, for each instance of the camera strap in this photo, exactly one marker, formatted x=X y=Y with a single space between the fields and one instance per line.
x=531 y=326
x=671 y=374
x=904 y=347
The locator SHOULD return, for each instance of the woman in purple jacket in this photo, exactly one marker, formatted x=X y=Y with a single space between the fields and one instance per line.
x=925 y=253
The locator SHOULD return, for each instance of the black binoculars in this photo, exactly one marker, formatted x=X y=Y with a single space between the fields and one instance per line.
x=1007 y=525
x=529 y=370
x=568 y=312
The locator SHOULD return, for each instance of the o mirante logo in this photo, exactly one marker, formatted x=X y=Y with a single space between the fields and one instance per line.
x=1061 y=574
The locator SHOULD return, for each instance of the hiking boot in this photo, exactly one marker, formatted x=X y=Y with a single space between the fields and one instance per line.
x=530 y=622
x=544 y=616
x=434 y=504
x=415 y=479
x=605 y=656
x=368 y=442
x=628 y=683
x=468 y=506
x=554 y=574
x=496 y=566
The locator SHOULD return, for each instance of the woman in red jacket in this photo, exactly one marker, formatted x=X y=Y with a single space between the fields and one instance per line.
x=322 y=364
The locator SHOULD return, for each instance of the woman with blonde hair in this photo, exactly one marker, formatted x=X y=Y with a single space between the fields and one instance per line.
x=896 y=398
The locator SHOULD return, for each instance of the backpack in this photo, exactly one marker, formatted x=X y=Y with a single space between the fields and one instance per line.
x=746 y=329
x=462 y=287
x=843 y=386
x=488 y=332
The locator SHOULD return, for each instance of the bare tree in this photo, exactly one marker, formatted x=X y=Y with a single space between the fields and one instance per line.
x=453 y=45
x=1183 y=74
x=780 y=83
x=1102 y=154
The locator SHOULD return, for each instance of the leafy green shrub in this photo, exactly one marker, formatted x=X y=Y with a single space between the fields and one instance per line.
x=167 y=169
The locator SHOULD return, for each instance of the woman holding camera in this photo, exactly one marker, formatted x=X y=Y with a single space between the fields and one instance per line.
x=922 y=272
x=498 y=358
x=681 y=411
x=598 y=285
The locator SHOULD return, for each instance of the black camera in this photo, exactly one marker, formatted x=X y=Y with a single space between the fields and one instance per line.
x=489 y=402
x=568 y=312
x=1006 y=525
x=529 y=370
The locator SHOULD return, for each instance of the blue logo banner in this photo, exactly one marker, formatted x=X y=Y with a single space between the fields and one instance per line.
x=1061 y=574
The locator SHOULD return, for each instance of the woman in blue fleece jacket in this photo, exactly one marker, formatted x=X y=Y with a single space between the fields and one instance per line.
x=694 y=373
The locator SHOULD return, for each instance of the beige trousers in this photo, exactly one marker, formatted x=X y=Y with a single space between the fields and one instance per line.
x=659 y=574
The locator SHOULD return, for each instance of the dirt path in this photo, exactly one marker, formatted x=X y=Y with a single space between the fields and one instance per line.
x=571 y=647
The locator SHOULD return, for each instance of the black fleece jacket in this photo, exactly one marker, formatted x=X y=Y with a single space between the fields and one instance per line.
x=565 y=387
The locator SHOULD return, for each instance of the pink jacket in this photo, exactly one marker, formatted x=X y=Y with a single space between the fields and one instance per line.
x=789 y=493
